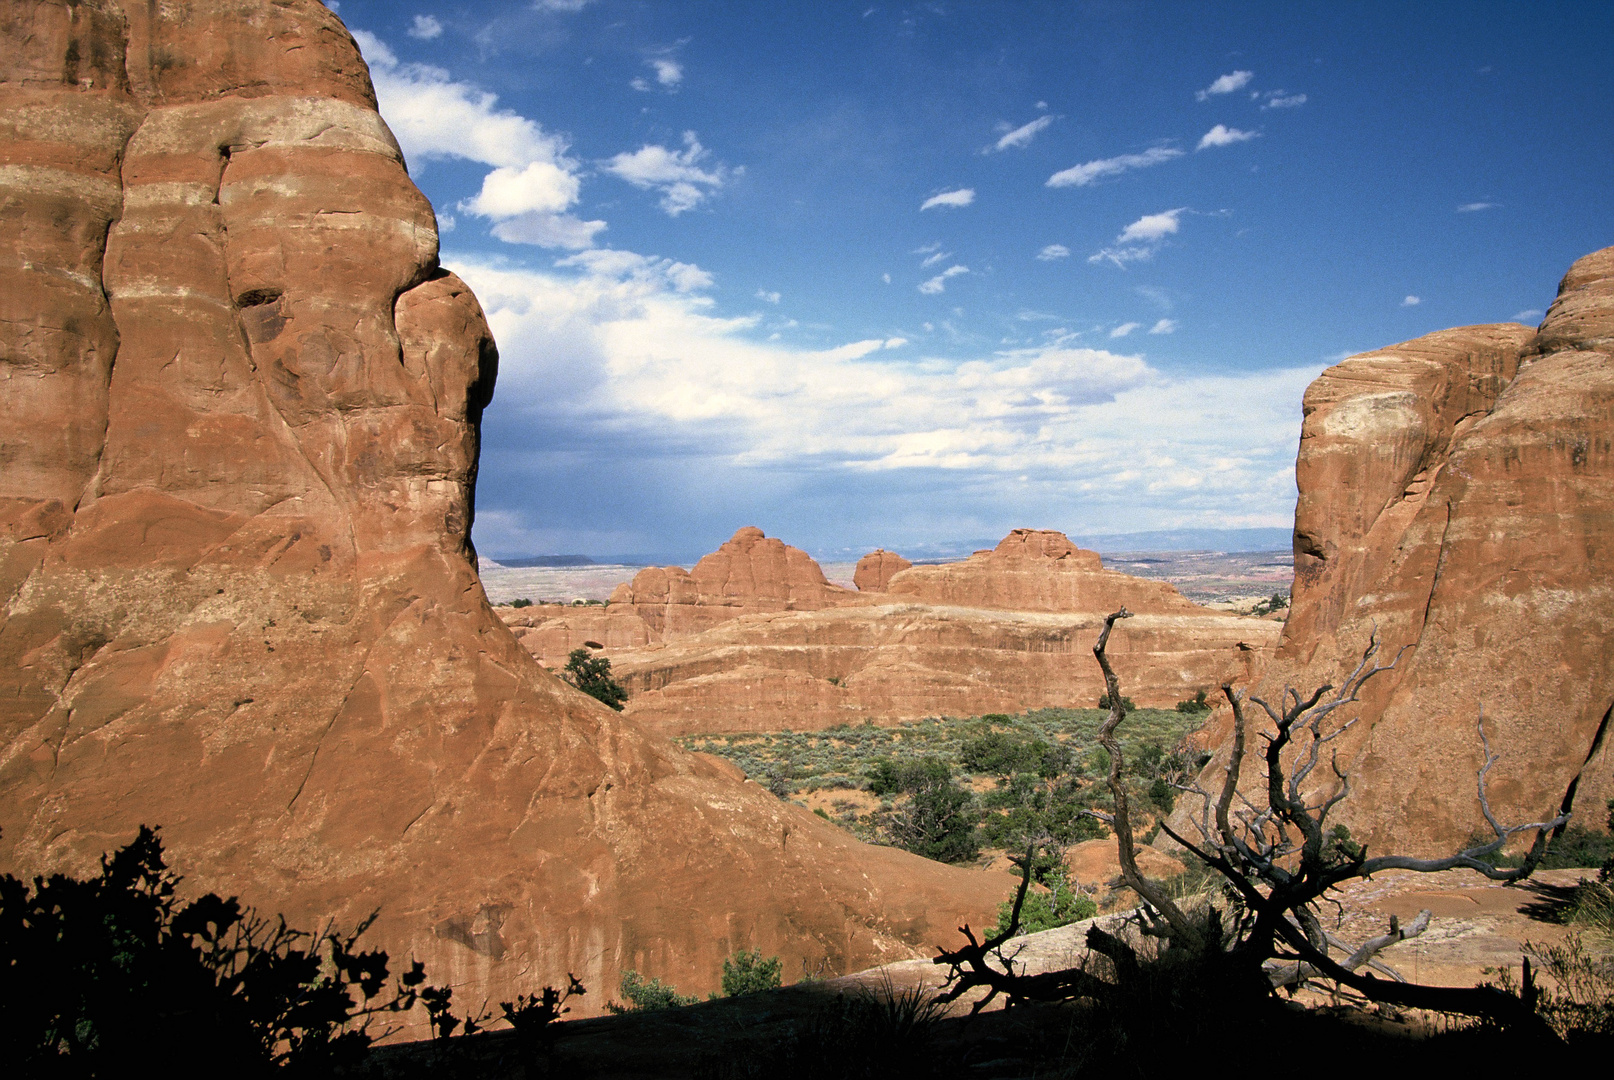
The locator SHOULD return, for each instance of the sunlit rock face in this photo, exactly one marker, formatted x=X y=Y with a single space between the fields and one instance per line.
x=1457 y=497
x=239 y=408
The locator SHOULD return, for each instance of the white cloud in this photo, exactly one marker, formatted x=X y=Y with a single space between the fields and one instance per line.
x=1151 y=227
x=886 y=278
x=425 y=28
x=1140 y=240
x=1087 y=173
x=607 y=351
x=1235 y=80
x=533 y=182
x=1474 y=207
x=682 y=183
x=1124 y=329
x=1528 y=315
x=1164 y=326
x=770 y=297
x=1278 y=99
x=961 y=197
x=939 y=282
x=1022 y=135
x=1411 y=301
x=669 y=73
x=1054 y=251
x=561 y=6
x=1225 y=136
x=895 y=342
x=935 y=257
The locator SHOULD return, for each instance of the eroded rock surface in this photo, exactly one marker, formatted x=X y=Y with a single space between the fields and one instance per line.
x=239 y=405
x=1457 y=497
x=876 y=569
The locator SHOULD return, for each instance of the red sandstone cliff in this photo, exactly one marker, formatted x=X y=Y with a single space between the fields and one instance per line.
x=239 y=407
x=1457 y=495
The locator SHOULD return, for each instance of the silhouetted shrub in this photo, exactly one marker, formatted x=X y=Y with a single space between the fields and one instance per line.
x=645 y=995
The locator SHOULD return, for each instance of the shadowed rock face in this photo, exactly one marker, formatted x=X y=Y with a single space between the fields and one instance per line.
x=1457 y=494
x=239 y=405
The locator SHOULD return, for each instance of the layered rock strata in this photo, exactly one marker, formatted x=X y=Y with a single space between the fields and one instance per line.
x=239 y=406
x=1457 y=499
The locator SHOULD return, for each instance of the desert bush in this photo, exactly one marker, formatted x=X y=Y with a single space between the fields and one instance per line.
x=747 y=972
x=1126 y=702
x=592 y=675
x=646 y=995
x=1057 y=905
x=1195 y=704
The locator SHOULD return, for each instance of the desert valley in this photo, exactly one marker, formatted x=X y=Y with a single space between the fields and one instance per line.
x=239 y=458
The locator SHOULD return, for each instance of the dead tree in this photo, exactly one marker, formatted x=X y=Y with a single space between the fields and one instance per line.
x=1280 y=862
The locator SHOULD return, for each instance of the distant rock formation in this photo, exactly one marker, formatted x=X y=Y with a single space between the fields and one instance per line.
x=876 y=569
x=239 y=599
x=806 y=671
x=1457 y=496
x=1037 y=570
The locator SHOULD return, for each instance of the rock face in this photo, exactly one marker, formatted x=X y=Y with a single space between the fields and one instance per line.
x=876 y=569
x=811 y=670
x=1457 y=495
x=239 y=436
x=1037 y=570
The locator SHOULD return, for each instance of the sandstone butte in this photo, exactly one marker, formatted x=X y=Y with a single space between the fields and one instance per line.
x=239 y=434
x=1006 y=630
x=1457 y=496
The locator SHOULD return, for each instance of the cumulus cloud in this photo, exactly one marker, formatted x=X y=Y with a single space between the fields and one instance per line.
x=1124 y=329
x=1164 y=326
x=1022 y=135
x=1475 y=207
x=683 y=183
x=434 y=117
x=959 y=198
x=1088 y=172
x=608 y=359
x=770 y=297
x=1221 y=135
x=939 y=282
x=1234 y=80
x=1054 y=251
x=1140 y=240
x=425 y=28
x=1411 y=301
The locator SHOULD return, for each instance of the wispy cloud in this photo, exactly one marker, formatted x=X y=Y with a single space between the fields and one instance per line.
x=955 y=199
x=1528 y=315
x=533 y=182
x=1088 y=172
x=1221 y=135
x=1164 y=326
x=425 y=27
x=1234 y=80
x=565 y=7
x=1124 y=329
x=770 y=297
x=935 y=257
x=683 y=184
x=1279 y=99
x=1411 y=301
x=1022 y=135
x=1475 y=207
x=1054 y=251
x=939 y=282
x=1141 y=239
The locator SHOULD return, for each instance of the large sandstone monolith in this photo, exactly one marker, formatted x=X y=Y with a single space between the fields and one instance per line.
x=1457 y=497
x=239 y=407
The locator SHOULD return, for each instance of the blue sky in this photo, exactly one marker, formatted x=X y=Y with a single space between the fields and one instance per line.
x=900 y=275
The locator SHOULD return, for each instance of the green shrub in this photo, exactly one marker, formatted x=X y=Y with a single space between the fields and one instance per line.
x=1126 y=702
x=1195 y=704
x=1578 y=846
x=1058 y=905
x=939 y=819
x=746 y=972
x=647 y=995
x=592 y=675
x=521 y=602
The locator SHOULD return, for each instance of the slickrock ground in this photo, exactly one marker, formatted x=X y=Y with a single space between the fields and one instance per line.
x=1457 y=496
x=239 y=407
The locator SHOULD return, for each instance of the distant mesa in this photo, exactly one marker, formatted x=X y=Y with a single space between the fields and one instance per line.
x=876 y=569
x=530 y=561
